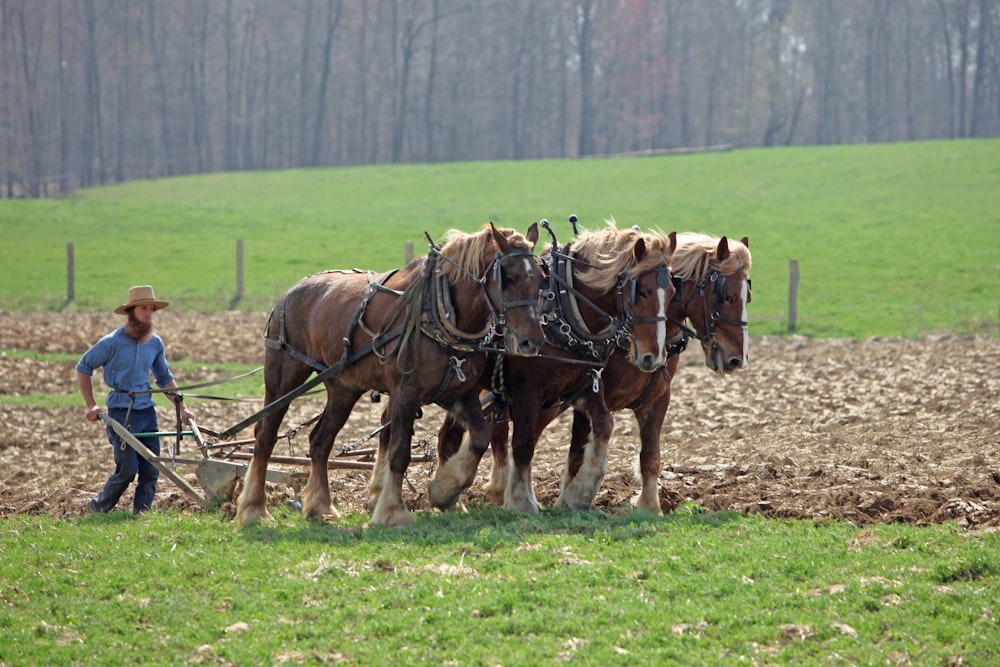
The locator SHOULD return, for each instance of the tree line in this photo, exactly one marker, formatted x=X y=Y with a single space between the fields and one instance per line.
x=95 y=92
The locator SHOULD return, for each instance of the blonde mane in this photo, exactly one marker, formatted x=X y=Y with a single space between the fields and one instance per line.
x=473 y=253
x=695 y=256
x=608 y=253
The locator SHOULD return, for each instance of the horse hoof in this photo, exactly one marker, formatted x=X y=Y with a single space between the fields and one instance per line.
x=457 y=507
x=572 y=505
x=396 y=519
x=442 y=498
x=251 y=517
x=526 y=507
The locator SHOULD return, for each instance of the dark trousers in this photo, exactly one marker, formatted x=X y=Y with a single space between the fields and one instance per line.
x=128 y=462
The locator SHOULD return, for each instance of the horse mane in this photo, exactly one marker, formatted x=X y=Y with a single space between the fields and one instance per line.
x=695 y=256
x=471 y=254
x=608 y=253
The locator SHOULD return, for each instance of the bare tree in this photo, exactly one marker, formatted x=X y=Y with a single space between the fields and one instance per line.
x=980 y=80
x=585 y=54
x=334 y=10
x=29 y=70
x=111 y=91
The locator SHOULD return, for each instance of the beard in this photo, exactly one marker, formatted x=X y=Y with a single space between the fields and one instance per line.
x=136 y=329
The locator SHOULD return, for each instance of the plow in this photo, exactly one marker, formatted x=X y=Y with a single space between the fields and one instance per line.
x=222 y=461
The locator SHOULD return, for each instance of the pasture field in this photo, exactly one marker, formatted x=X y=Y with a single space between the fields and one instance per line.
x=836 y=502
x=887 y=451
x=891 y=239
x=495 y=588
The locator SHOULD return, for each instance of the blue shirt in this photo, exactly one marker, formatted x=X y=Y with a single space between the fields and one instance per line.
x=127 y=365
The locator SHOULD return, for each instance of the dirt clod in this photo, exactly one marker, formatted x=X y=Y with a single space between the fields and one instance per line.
x=883 y=430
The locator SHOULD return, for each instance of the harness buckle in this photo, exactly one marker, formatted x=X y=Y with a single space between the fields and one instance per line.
x=597 y=378
x=456 y=365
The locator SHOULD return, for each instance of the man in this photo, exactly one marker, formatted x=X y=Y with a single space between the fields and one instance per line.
x=128 y=356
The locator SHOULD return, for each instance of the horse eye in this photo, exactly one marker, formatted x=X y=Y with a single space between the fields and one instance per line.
x=641 y=293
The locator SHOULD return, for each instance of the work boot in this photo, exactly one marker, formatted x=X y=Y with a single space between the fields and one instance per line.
x=92 y=506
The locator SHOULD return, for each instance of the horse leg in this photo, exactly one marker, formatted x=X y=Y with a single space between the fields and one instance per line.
x=390 y=510
x=450 y=441
x=497 y=484
x=520 y=494
x=450 y=438
x=316 y=496
x=457 y=473
x=377 y=481
x=579 y=437
x=650 y=415
x=251 y=506
x=584 y=473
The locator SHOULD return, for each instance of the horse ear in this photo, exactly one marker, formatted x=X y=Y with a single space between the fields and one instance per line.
x=532 y=234
x=639 y=250
x=745 y=241
x=722 y=252
x=499 y=239
x=673 y=241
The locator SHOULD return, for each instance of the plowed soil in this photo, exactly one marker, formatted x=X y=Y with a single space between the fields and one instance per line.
x=883 y=430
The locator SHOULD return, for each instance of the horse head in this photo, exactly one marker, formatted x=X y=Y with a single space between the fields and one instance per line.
x=513 y=288
x=714 y=295
x=624 y=276
x=649 y=294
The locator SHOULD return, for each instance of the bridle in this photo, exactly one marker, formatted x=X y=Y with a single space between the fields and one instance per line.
x=663 y=280
x=442 y=311
x=498 y=312
x=712 y=291
x=572 y=328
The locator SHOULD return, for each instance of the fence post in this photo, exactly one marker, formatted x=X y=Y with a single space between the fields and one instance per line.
x=409 y=252
x=70 y=273
x=793 y=295
x=239 y=269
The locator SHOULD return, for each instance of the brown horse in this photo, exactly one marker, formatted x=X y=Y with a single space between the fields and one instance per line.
x=713 y=293
x=417 y=333
x=610 y=291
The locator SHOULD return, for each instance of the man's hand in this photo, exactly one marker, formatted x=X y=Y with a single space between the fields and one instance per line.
x=92 y=412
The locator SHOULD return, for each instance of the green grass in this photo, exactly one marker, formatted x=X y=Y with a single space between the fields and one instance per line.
x=493 y=587
x=891 y=239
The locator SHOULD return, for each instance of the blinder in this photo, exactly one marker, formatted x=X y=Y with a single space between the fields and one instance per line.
x=498 y=279
x=719 y=290
x=678 y=287
x=663 y=279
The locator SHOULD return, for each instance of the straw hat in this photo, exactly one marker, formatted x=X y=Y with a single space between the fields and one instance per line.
x=138 y=295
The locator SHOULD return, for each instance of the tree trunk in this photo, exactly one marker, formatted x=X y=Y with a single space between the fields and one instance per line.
x=979 y=82
x=334 y=8
x=432 y=67
x=585 y=144
x=93 y=143
x=305 y=79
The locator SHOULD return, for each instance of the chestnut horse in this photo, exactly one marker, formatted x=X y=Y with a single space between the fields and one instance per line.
x=713 y=292
x=417 y=333
x=609 y=295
